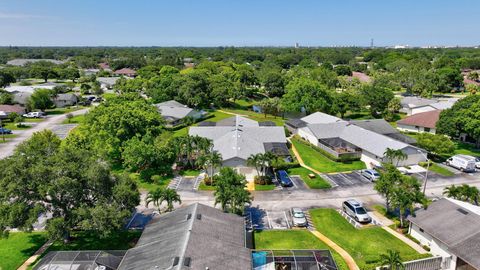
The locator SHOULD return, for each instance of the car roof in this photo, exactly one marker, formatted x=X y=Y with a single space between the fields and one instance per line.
x=354 y=203
x=370 y=170
x=296 y=209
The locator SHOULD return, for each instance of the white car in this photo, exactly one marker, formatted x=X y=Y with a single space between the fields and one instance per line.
x=371 y=174
x=356 y=210
x=34 y=115
x=477 y=162
x=298 y=217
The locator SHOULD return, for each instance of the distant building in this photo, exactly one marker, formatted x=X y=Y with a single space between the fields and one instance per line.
x=413 y=105
x=65 y=100
x=90 y=71
x=107 y=83
x=126 y=72
x=362 y=77
x=450 y=228
x=173 y=112
x=420 y=122
x=21 y=97
x=104 y=66
x=6 y=110
x=23 y=62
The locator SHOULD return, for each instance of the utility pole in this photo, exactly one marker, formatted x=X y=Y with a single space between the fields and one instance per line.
x=3 y=131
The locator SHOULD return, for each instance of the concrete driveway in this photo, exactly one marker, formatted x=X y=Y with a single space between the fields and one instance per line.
x=50 y=122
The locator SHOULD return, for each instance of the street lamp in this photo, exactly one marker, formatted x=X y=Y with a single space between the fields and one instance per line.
x=426 y=173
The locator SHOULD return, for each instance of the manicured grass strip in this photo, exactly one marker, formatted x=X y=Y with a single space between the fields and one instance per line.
x=260 y=117
x=294 y=239
x=321 y=163
x=190 y=172
x=203 y=186
x=466 y=149
x=438 y=169
x=13 y=126
x=264 y=187
x=77 y=119
x=364 y=245
x=18 y=247
x=315 y=183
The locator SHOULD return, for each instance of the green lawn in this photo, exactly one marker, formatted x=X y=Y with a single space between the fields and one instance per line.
x=190 y=172
x=438 y=169
x=63 y=110
x=217 y=116
x=7 y=137
x=293 y=239
x=466 y=149
x=18 y=247
x=13 y=126
x=364 y=245
x=142 y=185
x=203 y=186
x=318 y=161
x=264 y=187
x=315 y=183
x=260 y=117
x=34 y=120
x=77 y=119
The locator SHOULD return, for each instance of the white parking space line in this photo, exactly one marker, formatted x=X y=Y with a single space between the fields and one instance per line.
x=346 y=178
x=286 y=219
x=268 y=219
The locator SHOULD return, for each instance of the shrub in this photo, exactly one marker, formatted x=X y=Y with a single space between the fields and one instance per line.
x=262 y=180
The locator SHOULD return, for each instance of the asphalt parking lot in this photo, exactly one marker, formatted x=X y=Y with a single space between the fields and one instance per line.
x=348 y=179
x=269 y=220
x=297 y=184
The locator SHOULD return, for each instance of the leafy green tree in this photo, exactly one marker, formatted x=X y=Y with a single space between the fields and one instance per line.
x=405 y=195
x=72 y=184
x=43 y=69
x=308 y=94
x=450 y=78
x=170 y=196
x=343 y=70
x=273 y=83
x=230 y=191
x=6 y=78
x=194 y=89
x=392 y=260
x=69 y=73
x=377 y=98
x=5 y=97
x=386 y=183
x=436 y=144
x=270 y=106
x=41 y=99
x=462 y=118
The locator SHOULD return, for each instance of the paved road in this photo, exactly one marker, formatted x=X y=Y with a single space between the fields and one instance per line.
x=6 y=149
x=284 y=199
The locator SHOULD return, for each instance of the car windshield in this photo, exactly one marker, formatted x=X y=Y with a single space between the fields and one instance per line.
x=376 y=174
x=298 y=215
x=360 y=210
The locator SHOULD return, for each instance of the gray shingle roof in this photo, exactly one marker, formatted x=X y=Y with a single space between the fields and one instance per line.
x=241 y=140
x=238 y=120
x=216 y=241
x=365 y=139
x=379 y=126
x=412 y=102
x=455 y=226
x=23 y=62
x=173 y=109
x=320 y=118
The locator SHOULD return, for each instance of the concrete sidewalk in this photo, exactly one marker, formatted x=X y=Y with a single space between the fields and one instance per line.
x=352 y=265
x=35 y=256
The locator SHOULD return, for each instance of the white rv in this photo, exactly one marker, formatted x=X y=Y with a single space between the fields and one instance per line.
x=462 y=162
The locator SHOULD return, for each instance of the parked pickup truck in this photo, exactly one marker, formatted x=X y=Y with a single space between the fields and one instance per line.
x=34 y=115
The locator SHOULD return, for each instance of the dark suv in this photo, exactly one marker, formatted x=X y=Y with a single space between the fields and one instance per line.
x=284 y=179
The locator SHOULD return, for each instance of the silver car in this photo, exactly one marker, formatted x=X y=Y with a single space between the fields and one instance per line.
x=355 y=209
x=298 y=217
x=371 y=174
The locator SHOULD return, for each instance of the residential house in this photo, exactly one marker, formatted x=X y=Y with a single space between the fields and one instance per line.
x=104 y=66
x=196 y=237
x=343 y=140
x=23 y=62
x=173 y=112
x=380 y=126
x=21 y=97
x=6 y=110
x=107 y=83
x=90 y=71
x=126 y=72
x=29 y=88
x=237 y=138
x=450 y=228
x=420 y=122
x=362 y=77
x=414 y=105
x=65 y=100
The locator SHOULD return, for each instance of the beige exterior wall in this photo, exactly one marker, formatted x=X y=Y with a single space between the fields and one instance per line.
x=416 y=129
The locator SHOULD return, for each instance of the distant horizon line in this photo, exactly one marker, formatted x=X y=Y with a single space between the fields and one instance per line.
x=396 y=46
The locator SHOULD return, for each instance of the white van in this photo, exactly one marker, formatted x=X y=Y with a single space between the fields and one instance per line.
x=462 y=162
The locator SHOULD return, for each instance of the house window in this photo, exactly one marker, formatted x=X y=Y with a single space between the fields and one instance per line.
x=426 y=129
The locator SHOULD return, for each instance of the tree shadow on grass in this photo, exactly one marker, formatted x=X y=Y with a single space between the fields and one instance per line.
x=35 y=242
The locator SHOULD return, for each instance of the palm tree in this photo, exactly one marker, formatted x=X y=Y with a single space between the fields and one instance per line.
x=392 y=260
x=269 y=158
x=170 y=196
x=452 y=192
x=392 y=154
x=215 y=160
x=254 y=160
x=155 y=197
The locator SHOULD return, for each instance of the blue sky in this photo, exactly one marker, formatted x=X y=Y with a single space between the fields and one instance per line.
x=238 y=22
